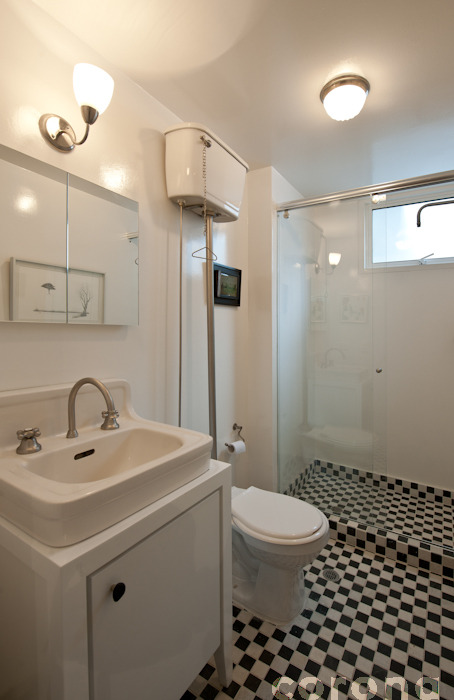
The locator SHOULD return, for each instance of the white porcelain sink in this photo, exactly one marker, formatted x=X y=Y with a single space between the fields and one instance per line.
x=75 y=488
x=103 y=456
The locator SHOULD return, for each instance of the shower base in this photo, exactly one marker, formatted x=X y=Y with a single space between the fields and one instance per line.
x=401 y=520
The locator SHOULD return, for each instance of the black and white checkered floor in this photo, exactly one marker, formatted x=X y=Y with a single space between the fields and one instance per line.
x=380 y=621
x=419 y=516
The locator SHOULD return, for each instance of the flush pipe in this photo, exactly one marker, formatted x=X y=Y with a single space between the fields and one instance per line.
x=210 y=329
x=180 y=322
x=210 y=337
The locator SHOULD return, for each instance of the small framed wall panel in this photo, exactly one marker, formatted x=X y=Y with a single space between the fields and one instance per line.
x=227 y=285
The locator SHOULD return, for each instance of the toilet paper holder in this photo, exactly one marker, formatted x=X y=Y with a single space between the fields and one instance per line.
x=239 y=428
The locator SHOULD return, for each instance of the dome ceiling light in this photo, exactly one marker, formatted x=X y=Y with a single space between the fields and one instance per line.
x=344 y=97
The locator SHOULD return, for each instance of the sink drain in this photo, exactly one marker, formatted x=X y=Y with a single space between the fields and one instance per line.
x=330 y=575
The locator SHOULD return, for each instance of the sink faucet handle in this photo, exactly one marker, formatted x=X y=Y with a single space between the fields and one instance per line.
x=29 y=443
x=28 y=433
x=110 y=420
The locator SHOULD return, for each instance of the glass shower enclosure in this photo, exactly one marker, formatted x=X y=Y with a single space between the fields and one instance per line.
x=331 y=337
x=365 y=349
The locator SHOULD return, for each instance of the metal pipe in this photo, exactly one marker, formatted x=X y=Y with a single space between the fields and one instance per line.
x=431 y=204
x=394 y=186
x=180 y=328
x=210 y=337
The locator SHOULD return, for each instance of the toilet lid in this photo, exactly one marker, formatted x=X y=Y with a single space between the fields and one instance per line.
x=275 y=515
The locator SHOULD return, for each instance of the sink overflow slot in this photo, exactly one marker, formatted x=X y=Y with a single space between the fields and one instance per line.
x=81 y=455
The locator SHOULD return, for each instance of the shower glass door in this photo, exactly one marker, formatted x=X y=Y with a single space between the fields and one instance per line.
x=331 y=422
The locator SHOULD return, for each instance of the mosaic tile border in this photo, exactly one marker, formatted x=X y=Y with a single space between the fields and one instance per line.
x=301 y=480
x=423 y=555
x=410 y=488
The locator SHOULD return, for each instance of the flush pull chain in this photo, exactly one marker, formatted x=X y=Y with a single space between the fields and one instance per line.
x=206 y=144
x=209 y=255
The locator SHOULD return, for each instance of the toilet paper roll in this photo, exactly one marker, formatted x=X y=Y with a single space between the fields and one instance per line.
x=236 y=447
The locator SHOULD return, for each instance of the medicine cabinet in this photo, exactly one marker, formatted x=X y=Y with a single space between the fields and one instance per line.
x=68 y=249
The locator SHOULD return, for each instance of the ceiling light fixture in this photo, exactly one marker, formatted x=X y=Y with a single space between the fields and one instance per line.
x=93 y=88
x=344 y=97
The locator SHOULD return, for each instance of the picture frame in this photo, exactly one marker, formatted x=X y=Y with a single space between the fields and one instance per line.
x=354 y=308
x=85 y=296
x=226 y=285
x=43 y=293
x=318 y=309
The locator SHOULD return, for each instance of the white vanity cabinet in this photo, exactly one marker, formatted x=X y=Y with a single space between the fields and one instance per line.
x=65 y=637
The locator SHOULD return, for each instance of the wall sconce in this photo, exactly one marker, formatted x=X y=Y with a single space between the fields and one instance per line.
x=344 y=97
x=334 y=260
x=93 y=88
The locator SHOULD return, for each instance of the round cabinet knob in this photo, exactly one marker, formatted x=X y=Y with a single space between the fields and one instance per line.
x=118 y=590
x=379 y=370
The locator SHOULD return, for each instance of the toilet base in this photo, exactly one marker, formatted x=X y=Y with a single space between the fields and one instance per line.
x=262 y=595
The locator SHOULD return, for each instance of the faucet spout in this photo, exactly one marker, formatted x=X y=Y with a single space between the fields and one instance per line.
x=110 y=416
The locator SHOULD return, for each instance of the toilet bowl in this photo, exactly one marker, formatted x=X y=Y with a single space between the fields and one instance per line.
x=273 y=537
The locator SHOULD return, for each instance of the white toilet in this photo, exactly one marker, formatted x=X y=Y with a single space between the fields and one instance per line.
x=273 y=537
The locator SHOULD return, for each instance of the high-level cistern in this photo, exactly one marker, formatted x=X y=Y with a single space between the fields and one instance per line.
x=110 y=416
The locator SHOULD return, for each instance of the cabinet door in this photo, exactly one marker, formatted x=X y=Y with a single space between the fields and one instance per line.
x=154 y=640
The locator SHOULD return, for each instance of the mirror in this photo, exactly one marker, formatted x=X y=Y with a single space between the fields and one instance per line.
x=68 y=250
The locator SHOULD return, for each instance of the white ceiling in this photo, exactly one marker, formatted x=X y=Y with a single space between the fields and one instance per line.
x=252 y=71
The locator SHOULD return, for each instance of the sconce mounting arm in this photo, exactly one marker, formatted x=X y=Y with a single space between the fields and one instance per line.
x=60 y=133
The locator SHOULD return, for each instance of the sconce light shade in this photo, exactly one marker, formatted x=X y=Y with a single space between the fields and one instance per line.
x=344 y=97
x=334 y=259
x=93 y=88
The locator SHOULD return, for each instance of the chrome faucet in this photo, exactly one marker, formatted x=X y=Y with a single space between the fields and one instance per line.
x=28 y=442
x=110 y=416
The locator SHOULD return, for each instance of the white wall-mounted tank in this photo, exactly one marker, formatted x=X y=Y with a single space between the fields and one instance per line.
x=225 y=172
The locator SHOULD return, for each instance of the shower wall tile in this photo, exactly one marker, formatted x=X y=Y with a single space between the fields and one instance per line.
x=407 y=522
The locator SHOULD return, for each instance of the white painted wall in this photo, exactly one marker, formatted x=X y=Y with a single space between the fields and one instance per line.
x=266 y=188
x=124 y=152
x=419 y=366
x=37 y=57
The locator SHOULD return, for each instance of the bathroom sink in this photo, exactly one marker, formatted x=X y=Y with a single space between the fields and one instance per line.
x=103 y=456
x=75 y=488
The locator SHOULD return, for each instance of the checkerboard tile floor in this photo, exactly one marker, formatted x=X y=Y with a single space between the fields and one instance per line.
x=380 y=620
x=420 y=518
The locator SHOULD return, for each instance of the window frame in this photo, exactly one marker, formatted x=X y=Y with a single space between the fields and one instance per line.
x=419 y=195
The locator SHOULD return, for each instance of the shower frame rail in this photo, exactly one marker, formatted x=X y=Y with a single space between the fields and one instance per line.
x=383 y=188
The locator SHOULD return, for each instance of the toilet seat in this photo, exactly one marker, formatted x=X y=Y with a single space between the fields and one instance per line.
x=277 y=518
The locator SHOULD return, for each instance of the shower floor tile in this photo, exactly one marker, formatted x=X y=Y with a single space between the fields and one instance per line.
x=380 y=620
x=416 y=517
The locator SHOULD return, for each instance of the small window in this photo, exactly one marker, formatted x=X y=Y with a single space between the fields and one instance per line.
x=393 y=237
